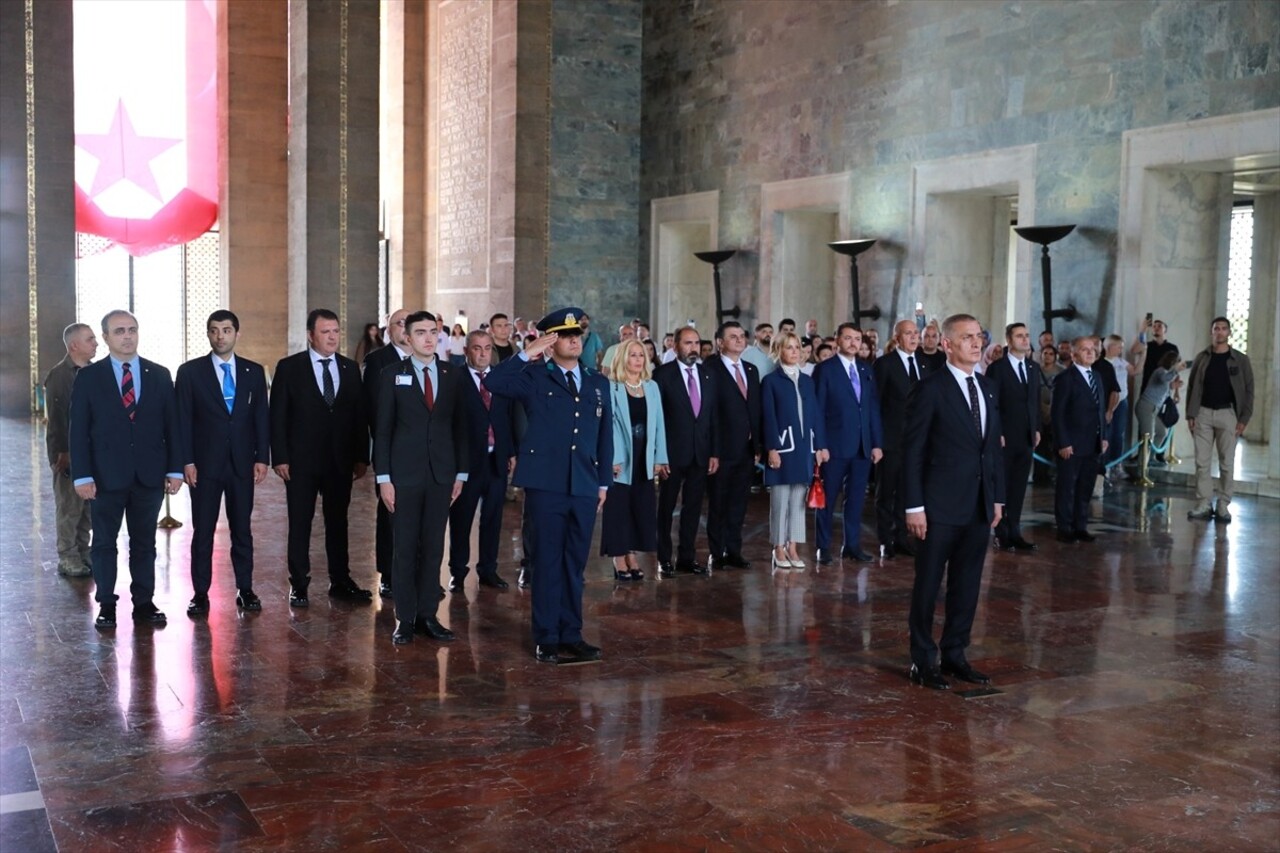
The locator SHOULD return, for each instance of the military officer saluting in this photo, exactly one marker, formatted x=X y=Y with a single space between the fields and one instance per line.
x=565 y=465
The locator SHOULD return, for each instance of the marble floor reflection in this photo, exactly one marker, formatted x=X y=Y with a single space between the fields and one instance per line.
x=1138 y=703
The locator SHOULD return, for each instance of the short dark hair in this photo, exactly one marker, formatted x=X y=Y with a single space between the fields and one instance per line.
x=1217 y=320
x=319 y=314
x=822 y=346
x=222 y=315
x=498 y=316
x=787 y=321
x=1009 y=329
x=729 y=324
x=1169 y=359
x=759 y=326
x=418 y=317
x=844 y=326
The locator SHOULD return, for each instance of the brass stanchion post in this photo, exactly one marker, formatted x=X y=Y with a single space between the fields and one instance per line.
x=168 y=522
x=1144 y=459
x=1169 y=455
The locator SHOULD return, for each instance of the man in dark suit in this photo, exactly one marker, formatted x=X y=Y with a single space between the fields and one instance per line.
x=124 y=457
x=565 y=467
x=420 y=459
x=688 y=409
x=226 y=448
x=849 y=403
x=1016 y=381
x=491 y=437
x=896 y=374
x=1079 y=416
x=953 y=484
x=739 y=418
x=374 y=363
x=319 y=443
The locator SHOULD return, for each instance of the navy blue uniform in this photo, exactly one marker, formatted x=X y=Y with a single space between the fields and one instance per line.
x=565 y=459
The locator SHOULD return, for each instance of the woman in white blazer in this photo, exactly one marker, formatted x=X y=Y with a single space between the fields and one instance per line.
x=629 y=523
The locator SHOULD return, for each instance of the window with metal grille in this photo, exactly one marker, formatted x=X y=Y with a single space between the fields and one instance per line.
x=1240 y=274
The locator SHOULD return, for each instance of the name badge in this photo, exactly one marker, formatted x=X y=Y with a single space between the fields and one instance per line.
x=404 y=379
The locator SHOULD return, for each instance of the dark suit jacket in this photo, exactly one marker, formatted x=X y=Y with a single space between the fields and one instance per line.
x=218 y=442
x=568 y=445
x=1019 y=404
x=306 y=434
x=690 y=440
x=113 y=450
x=1079 y=419
x=374 y=363
x=500 y=415
x=853 y=427
x=893 y=385
x=738 y=422
x=947 y=466
x=417 y=446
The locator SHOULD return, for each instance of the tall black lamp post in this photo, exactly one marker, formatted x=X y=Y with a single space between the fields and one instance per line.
x=716 y=258
x=853 y=248
x=1044 y=235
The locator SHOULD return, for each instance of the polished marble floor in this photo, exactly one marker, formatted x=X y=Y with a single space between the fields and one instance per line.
x=1138 y=704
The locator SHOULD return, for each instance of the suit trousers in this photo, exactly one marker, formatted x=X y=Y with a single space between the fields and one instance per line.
x=418 y=530
x=1017 y=467
x=486 y=489
x=727 y=509
x=74 y=522
x=383 y=552
x=688 y=484
x=560 y=526
x=300 y=494
x=206 y=502
x=139 y=507
x=1074 y=489
x=849 y=475
x=958 y=551
x=891 y=513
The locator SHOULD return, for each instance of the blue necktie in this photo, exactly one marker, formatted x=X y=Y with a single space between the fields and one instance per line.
x=856 y=380
x=228 y=387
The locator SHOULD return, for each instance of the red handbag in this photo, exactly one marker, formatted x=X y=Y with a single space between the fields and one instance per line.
x=817 y=497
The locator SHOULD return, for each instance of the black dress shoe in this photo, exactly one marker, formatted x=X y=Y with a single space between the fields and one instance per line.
x=666 y=570
x=403 y=635
x=823 y=556
x=430 y=626
x=298 y=597
x=384 y=589
x=905 y=547
x=106 y=618
x=1085 y=536
x=546 y=654
x=346 y=590
x=1020 y=544
x=964 y=672
x=888 y=552
x=855 y=554
x=580 y=651
x=526 y=575
x=1063 y=536
x=692 y=567
x=456 y=584
x=247 y=600
x=930 y=678
x=149 y=615
x=199 y=605
x=494 y=581
x=736 y=561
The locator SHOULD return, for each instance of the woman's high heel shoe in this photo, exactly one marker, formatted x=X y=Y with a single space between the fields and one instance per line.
x=621 y=574
x=779 y=562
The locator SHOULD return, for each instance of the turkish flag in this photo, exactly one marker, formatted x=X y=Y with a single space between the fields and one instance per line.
x=146 y=121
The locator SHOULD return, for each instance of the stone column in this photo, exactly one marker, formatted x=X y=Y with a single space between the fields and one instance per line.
x=37 y=199
x=403 y=134
x=253 y=121
x=333 y=164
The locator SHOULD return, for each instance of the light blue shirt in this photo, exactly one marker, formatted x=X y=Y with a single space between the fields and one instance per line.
x=418 y=370
x=135 y=367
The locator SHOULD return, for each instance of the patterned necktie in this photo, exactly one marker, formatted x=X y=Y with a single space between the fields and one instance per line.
x=487 y=398
x=1022 y=371
x=695 y=397
x=856 y=380
x=742 y=383
x=911 y=369
x=329 y=393
x=1093 y=387
x=126 y=390
x=228 y=387
x=572 y=383
x=428 y=393
x=974 y=408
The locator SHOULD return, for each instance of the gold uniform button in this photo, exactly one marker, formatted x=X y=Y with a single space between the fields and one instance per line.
x=573 y=447
x=575 y=431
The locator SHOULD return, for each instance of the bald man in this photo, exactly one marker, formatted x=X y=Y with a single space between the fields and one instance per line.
x=374 y=363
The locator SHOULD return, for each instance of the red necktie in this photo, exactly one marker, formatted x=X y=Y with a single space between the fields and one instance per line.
x=427 y=393
x=487 y=399
x=742 y=383
x=126 y=390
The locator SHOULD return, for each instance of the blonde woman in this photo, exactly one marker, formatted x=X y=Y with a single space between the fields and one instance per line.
x=794 y=438
x=628 y=525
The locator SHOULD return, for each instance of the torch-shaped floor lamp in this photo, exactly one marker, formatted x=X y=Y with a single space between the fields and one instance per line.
x=853 y=248
x=1044 y=235
x=716 y=258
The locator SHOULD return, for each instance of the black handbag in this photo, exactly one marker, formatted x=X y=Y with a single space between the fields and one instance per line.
x=1168 y=412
